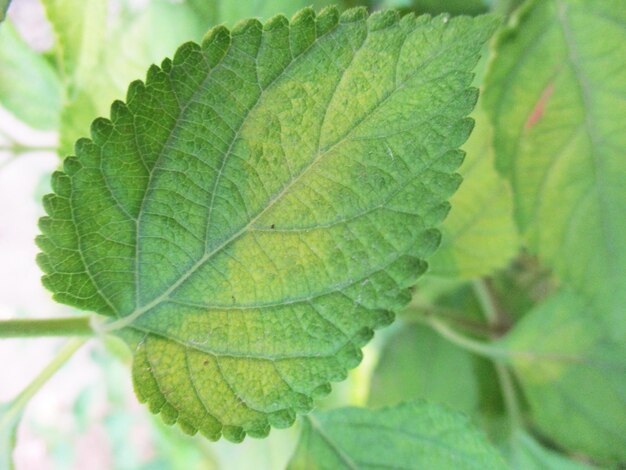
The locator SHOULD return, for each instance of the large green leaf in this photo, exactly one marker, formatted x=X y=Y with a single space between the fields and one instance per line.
x=411 y=435
x=479 y=236
x=263 y=202
x=29 y=86
x=417 y=363
x=573 y=374
x=556 y=93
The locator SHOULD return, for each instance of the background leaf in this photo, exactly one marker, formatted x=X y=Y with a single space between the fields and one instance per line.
x=416 y=363
x=479 y=235
x=231 y=13
x=573 y=373
x=246 y=234
x=436 y=7
x=528 y=454
x=556 y=93
x=29 y=86
x=4 y=6
x=411 y=435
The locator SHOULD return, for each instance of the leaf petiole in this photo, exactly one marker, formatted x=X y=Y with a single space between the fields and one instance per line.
x=507 y=385
x=70 y=326
x=11 y=411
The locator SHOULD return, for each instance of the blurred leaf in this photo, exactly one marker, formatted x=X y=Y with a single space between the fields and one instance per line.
x=449 y=299
x=29 y=86
x=528 y=454
x=522 y=285
x=504 y=7
x=4 y=6
x=573 y=374
x=417 y=363
x=479 y=235
x=556 y=93
x=435 y=7
x=411 y=435
x=79 y=27
x=232 y=12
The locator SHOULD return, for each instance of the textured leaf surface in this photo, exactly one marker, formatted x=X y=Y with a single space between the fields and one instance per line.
x=479 y=235
x=557 y=95
x=574 y=376
x=262 y=203
x=29 y=87
x=417 y=363
x=411 y=435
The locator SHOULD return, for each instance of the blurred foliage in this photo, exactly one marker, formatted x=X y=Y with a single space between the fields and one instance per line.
x=573 y=378
x=436 y=7
x=417 y=363
x=29 y=86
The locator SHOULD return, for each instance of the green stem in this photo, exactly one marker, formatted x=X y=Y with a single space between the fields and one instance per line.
x=509 y=393
x=487 y=303
x=19 y=148
x=70 y=326
x=17 y=405
x=487 y=349
x=478 y=347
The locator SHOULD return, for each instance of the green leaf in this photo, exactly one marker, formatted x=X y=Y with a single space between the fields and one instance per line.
x=261 y=204
x=556 y=93
x=417 y=363
x=528 y=454
x=29 y=86
x=573 y=373
x=411 y=435
x=479 y=236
